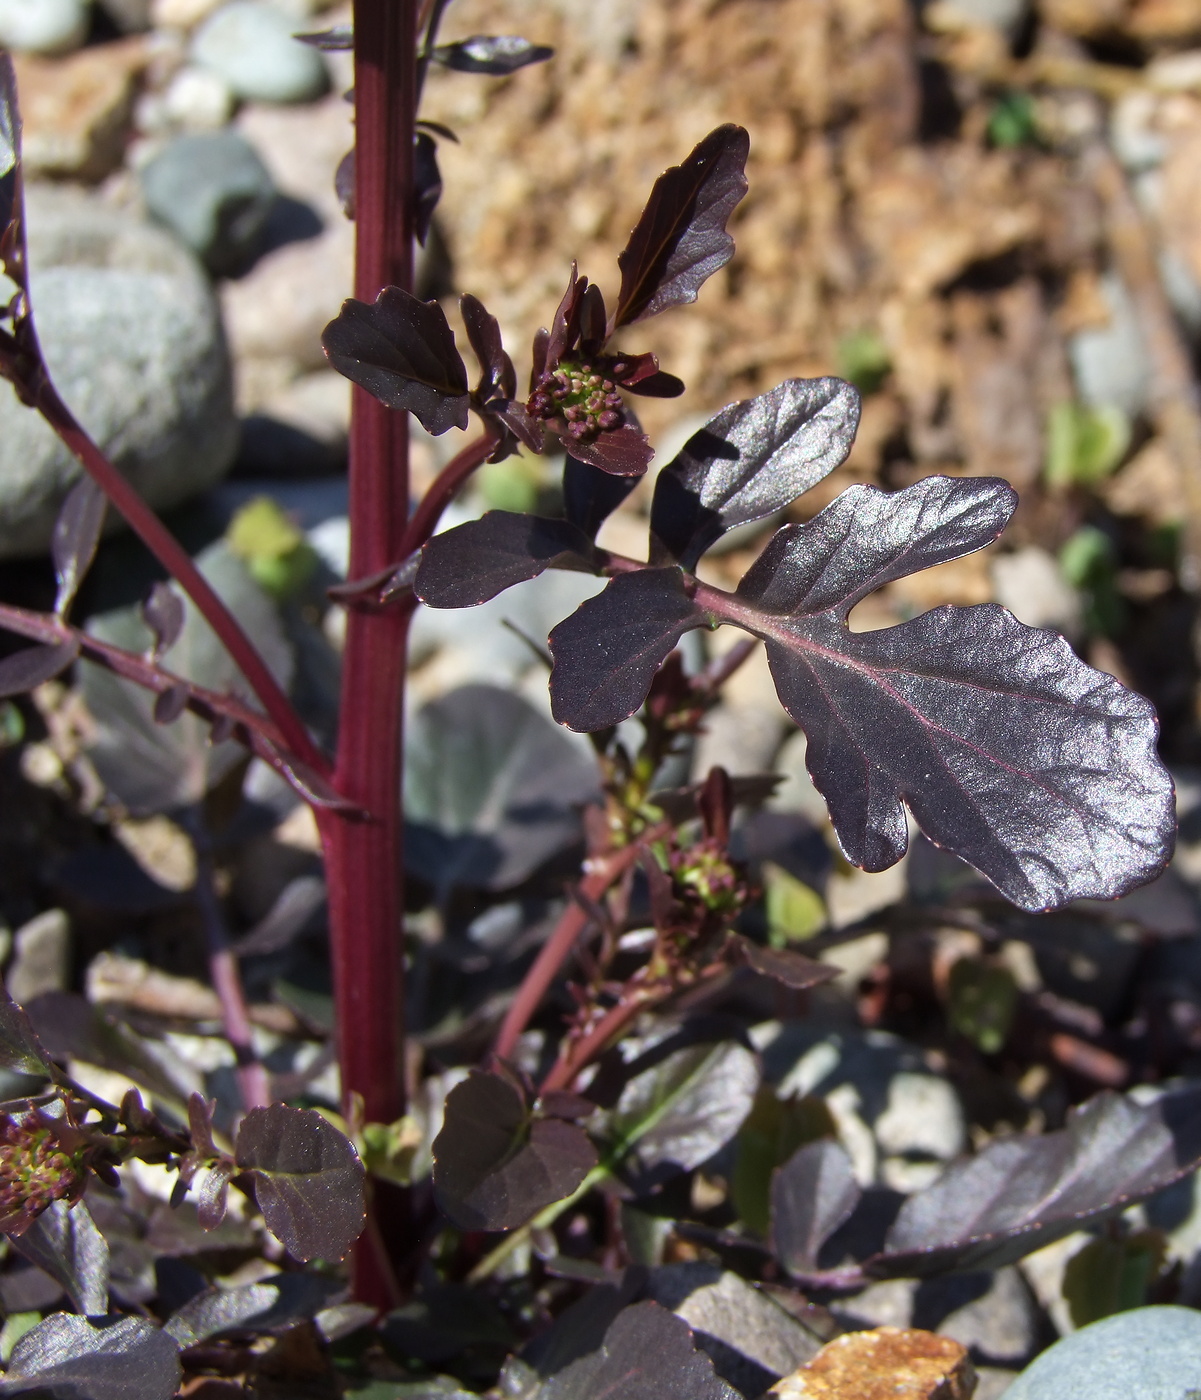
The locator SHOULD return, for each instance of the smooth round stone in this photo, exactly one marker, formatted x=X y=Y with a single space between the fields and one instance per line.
x=1144 y=1354
x=213 y=190
x=132 y=335
x=198 y=99
x=43 y=26
x=252 y=47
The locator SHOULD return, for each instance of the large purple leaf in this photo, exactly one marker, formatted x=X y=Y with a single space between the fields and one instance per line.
x=751 y=460
x=112 y=1358
x=607 y=652
x=647 y=1354
x=495 y=54
x=1008 y=749
x=681 y=240
x=402 y=351
x=812 y=1194
x=478 y=560
x=76 y=535
x=590 y=495
x=1021 y=1192
x=495 y=1165
x=33 y=666
x=308 y=1180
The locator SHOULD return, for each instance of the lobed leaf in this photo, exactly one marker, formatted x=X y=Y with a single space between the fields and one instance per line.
x=607 y=652
x=751 y=460
x=76 y=535
x=495 y=1165
x=402 y=351
x=495 y=54
x=474 y=562
x=70 y=1358
x=647 y=1354
x=309 y=1182
x=812 y=1194
x=680 y=240
x=1021 y=1193
x=30 y=667
x=64 y=1242
x=1007 y=748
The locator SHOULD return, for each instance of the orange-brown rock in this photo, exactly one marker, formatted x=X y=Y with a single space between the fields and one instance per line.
x=887 y=1363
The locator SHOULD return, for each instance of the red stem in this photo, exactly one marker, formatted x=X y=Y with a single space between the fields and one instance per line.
x=444 y=488
x=159 y=540
x=575 y=1057
x=363 y=860
x=557 y=948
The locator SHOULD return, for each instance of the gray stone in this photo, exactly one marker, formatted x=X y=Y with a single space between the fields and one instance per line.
x=1031 y=585
x=1146 y=1354
x=252 y=47
x=1005 y=15
x=212 y=189
x=1110 y=362
x=43 y=26
x=742 y=739
x=133 y=339
x=992 y=1382
x=752 y=1341
x=41 y=957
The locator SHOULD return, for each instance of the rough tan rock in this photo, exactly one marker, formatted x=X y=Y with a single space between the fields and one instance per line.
x=887 y=1363
x=77 y=110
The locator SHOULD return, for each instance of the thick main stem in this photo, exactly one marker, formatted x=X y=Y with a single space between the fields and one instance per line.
x=363 y=859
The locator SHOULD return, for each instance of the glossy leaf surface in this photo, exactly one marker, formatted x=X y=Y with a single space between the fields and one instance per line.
x=65 y=1243
x=76 y=535
x=625 y=451
x=495 y=1166
x=30 y=667
x=495 y=54
x=70 y=1358
x=647 y=1354
x=751 y=460
x=275 y=1303
x=1022 y=1192
x=812 y=1194
x=1007 y=748
x=607 y=652
x=402 y=351
x=681 y=240
x=476 y=561
x=20 y=1048
x=309 y=1182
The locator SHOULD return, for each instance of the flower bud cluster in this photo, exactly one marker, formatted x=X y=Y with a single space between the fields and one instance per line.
x=585 y=400
x=36 y=1168
x=706 y=872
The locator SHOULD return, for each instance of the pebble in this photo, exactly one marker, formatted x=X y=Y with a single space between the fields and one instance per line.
x=1144 y=1354
x=212 y=190
x=197 y=99
x=888 y=1363
x=181 y=14
x=1006 y=15
x=1110 y=362
x=1030 y=584
x=41 y=957
x=78 y=110
x=251 y=46
x=132 y=336
x=43 y=26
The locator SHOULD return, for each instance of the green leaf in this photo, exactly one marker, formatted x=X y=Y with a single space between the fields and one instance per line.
x=1084 y=444
x=795 y=910
x=1111 y=1275
x=983 y=998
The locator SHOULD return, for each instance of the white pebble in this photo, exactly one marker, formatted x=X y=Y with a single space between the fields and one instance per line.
x=43 y=26
x=197 y=99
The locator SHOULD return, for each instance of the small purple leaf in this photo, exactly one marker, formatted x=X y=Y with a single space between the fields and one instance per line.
x=316 y=790
x=607 y=652
x=1022 y=1192
x=76 y=535
x=211 y=1185
x=474 y=562
x=812 y=1194
x=344 y=184
x=490 y=53
x=11 y=237
x=751 y=460
x=495 y=1166
x=625 y=451
x=427 y=181
x=20 y=1048
x=27 y=669
x=786 y=965
x=1007 y=748
x=498 y=380
x=402 y=351
x=590 y=496
x=163 y=612
x=169 y=704
x=338 y=37
x=309 y=1182
x=681 y=239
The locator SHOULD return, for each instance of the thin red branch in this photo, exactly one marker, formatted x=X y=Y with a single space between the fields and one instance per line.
x=577 y=1055
x=444 y=488
x=166 y=549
